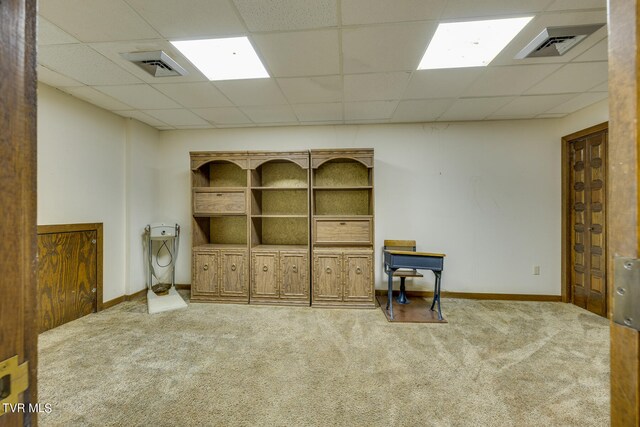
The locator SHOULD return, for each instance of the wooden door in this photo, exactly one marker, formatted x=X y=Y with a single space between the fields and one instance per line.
x=294 y=281
x=623 y=234
x=588 y=203
x=18 y=303
x=327 y=276
x=67 y=277
x=234 y=273
x=205 y=273
x=358 y=285
x=265 y=275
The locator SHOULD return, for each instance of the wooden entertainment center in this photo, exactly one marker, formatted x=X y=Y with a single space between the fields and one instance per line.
x=284 y=228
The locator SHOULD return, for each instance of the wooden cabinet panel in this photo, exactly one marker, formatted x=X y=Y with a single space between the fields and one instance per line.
x=67 y=277
x=327 y=271
x=293 y=275
x=219 y=202
x=265 y=275
x=358 y=284
x=205 y=273
x=234 y=273
x=347 y=231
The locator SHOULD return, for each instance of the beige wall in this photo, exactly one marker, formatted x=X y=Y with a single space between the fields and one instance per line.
x=485 y=193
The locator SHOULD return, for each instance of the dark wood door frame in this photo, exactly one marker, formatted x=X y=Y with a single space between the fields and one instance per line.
x=70 y=228
x=18 y=106
x=566 y=207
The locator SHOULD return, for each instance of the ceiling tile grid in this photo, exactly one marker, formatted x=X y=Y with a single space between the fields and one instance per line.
x=330 y=61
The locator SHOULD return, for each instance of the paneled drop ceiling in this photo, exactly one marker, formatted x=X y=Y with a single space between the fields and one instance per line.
x=331 y=61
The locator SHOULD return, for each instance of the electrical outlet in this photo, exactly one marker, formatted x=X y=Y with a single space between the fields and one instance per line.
x=536 y=270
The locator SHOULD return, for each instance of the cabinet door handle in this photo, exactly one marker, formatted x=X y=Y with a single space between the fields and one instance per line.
x=328 y=270
x=233 y=267
x=206 y=267
x=343 y=223
x=265 y=268
x=218 y=194
x=295 y=268
x=358 y=270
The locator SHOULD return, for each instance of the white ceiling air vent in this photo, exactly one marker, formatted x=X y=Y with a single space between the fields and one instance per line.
x=556 y=41
x=157 y=63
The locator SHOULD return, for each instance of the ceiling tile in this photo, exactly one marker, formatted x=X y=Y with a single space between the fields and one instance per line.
x=306 y=53
x=177 y=117
x=599 y=52
x=572 y=78
x=223 y=116
x=192 y=127
x=577 y=4
x=578 y=103
x=55 y=79
x=372 y=110
x=473 y=108
x=553 y=19
x=270 y=114
x=279 y=15
x=139 y=96
x=513 y=80
x=95 y=97
x=318 y=112
x=450 y=83
x=114 y=49
x=550 y=116
x=97 y=20
x=194 y=95
x=382 y=11
x=302 y=90
x=252 y=92
x=165 y=127
x=145 y=118
x=327 y=123
x=531 y=106
x=604 y=87
x=193 y=19
x=50 y=34
x=83 y=64
x=393 y=47
x=457 y=9
x=375 y=87
x=420 y=110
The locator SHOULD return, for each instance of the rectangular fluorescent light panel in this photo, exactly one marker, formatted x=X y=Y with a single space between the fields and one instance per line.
x=223 y=59
x=470 y=44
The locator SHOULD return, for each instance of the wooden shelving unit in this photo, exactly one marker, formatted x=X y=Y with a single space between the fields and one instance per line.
x=342 y=229
x=280 y=228
x=259 y=216
x=220 y=244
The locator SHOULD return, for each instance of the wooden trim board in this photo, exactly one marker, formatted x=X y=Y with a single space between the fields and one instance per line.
x=481 y=296
x=94 y=226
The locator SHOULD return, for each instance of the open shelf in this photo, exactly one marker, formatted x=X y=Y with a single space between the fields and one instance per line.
x=342 y=188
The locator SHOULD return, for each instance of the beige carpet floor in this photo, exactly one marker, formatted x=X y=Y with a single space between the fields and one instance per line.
x=493 y=364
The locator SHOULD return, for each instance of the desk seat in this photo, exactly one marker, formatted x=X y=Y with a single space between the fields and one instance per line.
x=406 y=273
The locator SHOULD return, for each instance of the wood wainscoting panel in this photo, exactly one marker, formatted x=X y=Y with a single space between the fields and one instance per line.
x=67 y=275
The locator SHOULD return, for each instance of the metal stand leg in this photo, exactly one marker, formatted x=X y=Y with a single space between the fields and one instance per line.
x=402 y=298
x=390 y=294
x=436 y=293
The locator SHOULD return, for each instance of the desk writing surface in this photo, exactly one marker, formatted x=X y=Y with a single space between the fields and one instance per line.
x=415 y=253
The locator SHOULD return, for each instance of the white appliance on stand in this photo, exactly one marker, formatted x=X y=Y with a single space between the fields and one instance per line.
x=162 y=241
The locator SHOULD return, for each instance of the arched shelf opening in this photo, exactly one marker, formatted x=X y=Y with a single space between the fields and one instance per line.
x=220 y=174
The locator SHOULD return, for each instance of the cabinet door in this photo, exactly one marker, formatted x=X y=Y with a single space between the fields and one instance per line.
x=205 y=273
x=327 y=276
x=234 y=273
x=264 y=281
x=358 y=285
x=294 y=282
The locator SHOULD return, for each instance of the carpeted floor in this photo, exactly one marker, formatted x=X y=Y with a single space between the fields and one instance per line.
x=493 y=364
